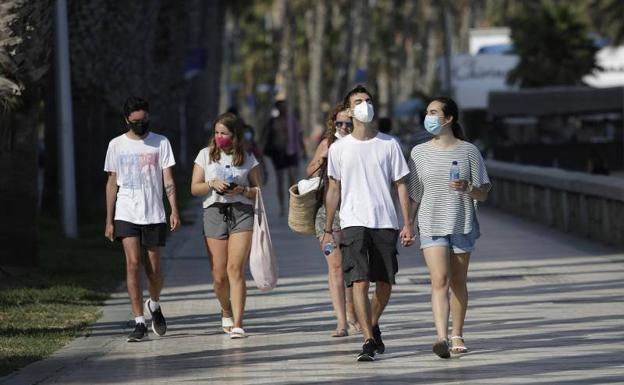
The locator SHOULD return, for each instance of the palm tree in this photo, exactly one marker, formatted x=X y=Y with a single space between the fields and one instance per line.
x=553 y=44
x=25 y=41
x=607 y=16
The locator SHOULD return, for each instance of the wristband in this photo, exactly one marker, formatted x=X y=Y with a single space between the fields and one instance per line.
x=328 y=232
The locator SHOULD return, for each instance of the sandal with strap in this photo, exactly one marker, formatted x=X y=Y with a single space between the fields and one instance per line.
x=340 y=333
x=458 y=349
x=354 y=328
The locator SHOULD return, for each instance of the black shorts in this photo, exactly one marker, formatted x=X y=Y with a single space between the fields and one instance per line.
x=281 y=160
x=369 y=254
x=151 y=235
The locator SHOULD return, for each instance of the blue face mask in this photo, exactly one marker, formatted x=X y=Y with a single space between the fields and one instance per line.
x=432 y=124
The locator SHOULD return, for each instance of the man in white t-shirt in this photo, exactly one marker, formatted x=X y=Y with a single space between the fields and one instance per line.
x=364 y=168
x=137 y=162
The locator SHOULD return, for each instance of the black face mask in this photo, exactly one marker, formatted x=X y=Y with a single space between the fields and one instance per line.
x=139 y=128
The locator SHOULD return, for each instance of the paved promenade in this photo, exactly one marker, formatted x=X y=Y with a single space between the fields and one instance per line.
x=545 y=308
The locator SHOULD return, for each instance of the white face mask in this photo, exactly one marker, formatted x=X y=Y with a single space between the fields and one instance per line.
x=364 y=112
x=338 y=135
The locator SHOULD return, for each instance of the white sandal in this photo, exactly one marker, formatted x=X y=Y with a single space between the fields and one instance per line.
x=237 y=333
x=227 y=323
x=458 y=349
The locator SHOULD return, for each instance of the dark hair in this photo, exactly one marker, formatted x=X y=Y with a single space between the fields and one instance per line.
x=330 y=130
x=450 y=109
x=135 y=103
x=235 y=125
x=385 y=125
x=358 y=89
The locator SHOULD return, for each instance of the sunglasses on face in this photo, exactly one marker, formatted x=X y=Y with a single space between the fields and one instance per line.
x=343 y=124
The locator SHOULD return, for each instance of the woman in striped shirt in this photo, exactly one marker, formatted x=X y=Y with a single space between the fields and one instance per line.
x=447 y=217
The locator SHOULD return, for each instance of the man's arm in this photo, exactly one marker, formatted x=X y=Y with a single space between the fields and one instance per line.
x=332 y=199
x=170 y=190
x=111 y=198
x=407 y=233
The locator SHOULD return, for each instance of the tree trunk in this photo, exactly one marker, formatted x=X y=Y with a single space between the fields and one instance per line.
x=341 y=24
x=315 y=80
x=430 y=51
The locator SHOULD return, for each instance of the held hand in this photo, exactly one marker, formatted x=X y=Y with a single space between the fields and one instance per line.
x=109 y=231
x=174 y=221
x=219 y=185
x=327 y=238
x=460 y=185
x=407 y=236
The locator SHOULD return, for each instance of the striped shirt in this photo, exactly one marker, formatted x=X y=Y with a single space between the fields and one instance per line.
x=443 y=211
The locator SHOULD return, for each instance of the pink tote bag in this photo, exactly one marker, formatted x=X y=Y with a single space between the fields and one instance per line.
x=262 y=259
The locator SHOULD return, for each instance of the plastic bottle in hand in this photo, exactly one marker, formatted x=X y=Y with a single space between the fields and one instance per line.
x=454 y=174
x=328 y=249
x=228 y=177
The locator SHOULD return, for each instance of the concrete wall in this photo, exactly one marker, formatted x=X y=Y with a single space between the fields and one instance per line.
x=579 y=203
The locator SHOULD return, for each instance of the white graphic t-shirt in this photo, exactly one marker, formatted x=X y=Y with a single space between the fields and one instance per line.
x=138 y=165
x=217 y=170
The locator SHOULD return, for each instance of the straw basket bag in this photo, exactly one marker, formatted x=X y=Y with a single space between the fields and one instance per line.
x=302 y=210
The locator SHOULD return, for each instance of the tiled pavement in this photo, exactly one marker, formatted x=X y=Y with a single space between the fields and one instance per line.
x=545 y=308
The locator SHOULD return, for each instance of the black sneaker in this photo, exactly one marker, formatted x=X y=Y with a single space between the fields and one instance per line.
x=441 y=349
x=377 y=336
x=139 y=333
x=159 y=325
x=368 y=351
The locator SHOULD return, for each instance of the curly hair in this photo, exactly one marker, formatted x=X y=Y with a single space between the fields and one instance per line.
x=330 y=129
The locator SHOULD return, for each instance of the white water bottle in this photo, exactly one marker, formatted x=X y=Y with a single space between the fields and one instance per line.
x=454 y=174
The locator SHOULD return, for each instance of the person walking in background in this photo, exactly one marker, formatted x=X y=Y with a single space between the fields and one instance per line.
x=363 y=169
x=339 y=125
x=283 y=142
x=137 y=162
x=447 y=178
x=227 y=177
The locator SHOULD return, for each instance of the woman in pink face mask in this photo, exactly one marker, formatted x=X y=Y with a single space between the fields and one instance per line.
x=227 y=177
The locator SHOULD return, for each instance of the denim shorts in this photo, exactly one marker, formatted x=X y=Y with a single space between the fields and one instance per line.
x=460 y=243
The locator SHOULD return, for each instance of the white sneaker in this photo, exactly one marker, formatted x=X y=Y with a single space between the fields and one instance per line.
x=237 y=333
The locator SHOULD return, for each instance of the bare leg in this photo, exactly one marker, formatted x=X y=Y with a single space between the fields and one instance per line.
x=363 y=307
x=239 y=246
x=153 y=272
x=132 y=249
x=351 y=317
x=380 y=300
x=459 y=294
x=218 y=257
x=437 y=260
x=337 y=287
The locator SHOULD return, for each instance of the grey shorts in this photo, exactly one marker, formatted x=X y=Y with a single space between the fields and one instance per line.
x=369 y=254
x=319 y=223
x=223 y=219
